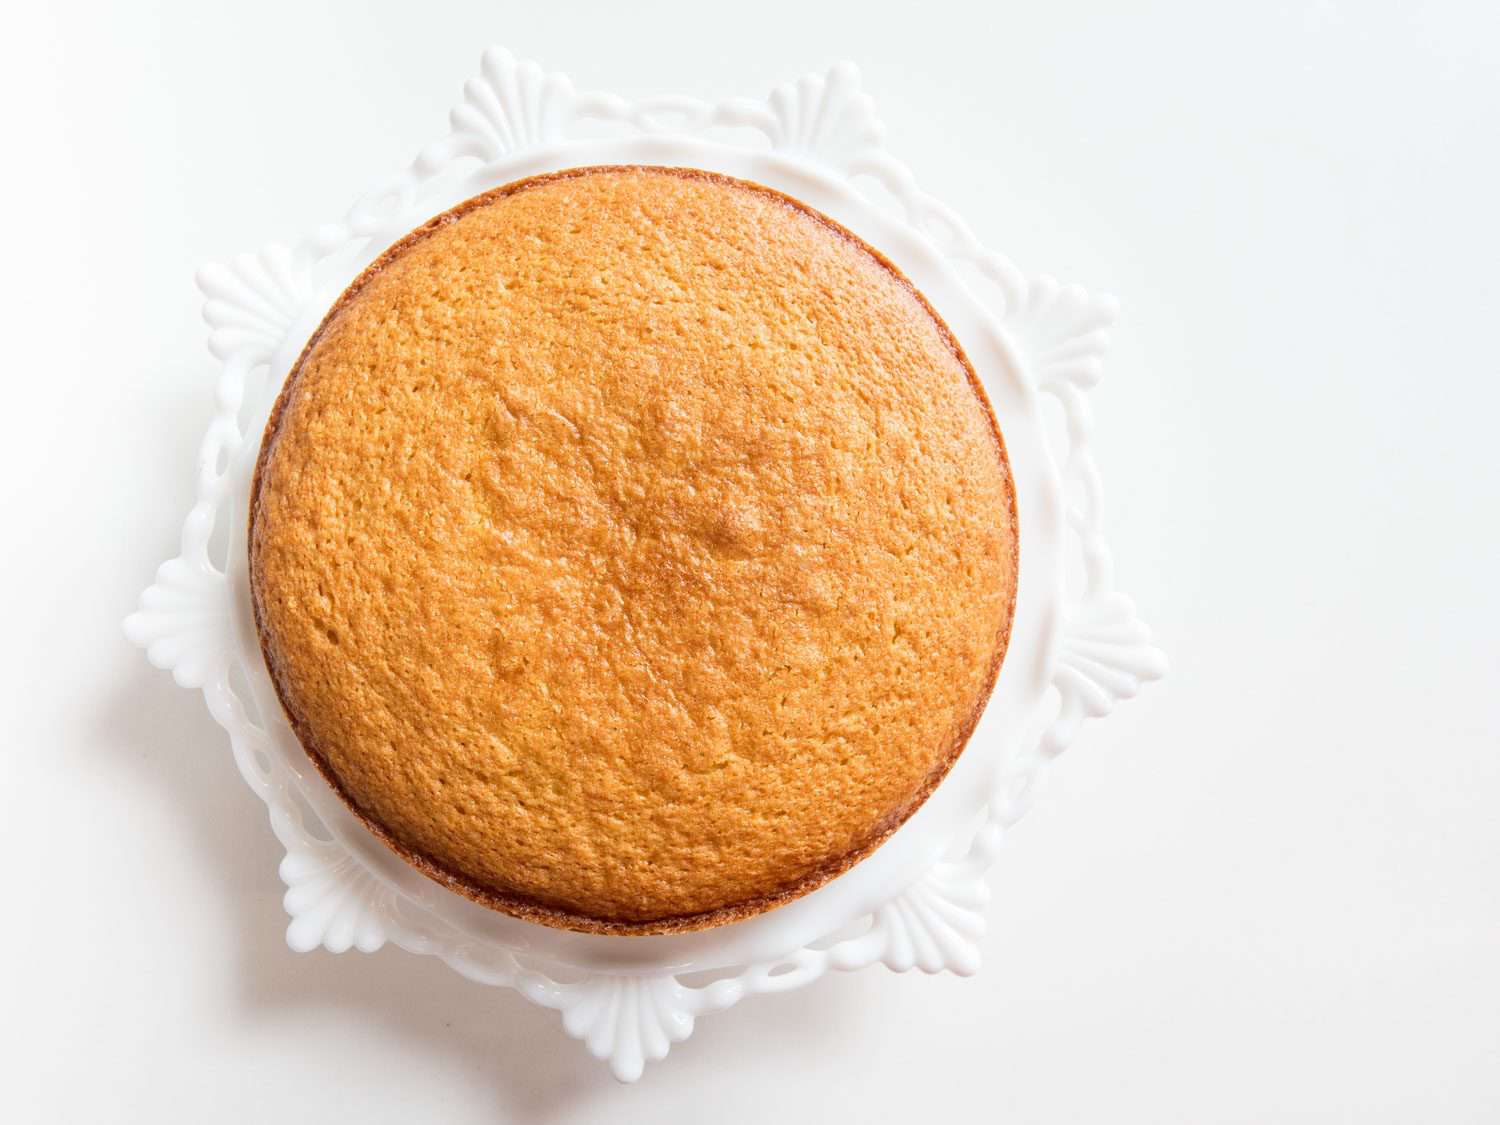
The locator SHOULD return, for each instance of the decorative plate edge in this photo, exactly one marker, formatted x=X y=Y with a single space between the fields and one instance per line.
x=1061 y=334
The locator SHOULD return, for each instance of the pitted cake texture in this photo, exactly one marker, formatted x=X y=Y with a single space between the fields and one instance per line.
x=633 y=549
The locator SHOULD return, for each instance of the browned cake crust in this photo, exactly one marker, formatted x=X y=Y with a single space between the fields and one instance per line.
x=633 y=549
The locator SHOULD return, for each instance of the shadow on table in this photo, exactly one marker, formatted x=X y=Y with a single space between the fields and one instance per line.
x=538 y=1073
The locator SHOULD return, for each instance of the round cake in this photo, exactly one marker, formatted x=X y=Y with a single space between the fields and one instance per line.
x=633 y=549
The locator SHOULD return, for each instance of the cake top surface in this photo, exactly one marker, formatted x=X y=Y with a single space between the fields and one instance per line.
x=633 y=549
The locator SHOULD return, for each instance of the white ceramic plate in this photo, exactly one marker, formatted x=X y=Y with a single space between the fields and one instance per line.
x=1075 y=647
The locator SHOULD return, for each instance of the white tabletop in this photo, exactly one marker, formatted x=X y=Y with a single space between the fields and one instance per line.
x=1266 y=891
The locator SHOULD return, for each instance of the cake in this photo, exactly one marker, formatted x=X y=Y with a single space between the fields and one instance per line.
x=632 y=549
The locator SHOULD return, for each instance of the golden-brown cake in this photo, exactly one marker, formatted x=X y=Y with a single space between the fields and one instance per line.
x=633 y=549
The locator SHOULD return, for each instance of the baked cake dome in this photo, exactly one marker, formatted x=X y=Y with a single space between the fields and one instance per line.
x=633 y=549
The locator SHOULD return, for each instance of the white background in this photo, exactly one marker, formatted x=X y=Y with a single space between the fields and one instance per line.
x=1266 y=891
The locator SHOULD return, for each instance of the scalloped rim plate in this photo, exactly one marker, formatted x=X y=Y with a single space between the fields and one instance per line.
x=918 y=901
